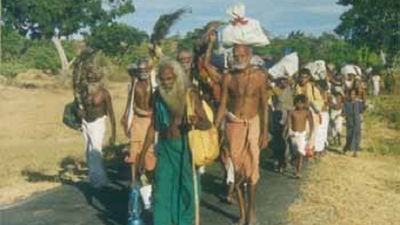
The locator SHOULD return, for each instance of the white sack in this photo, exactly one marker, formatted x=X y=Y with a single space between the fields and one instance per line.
x=286 y=67
x=317 y=69
x=350 y=69
x=243 y=30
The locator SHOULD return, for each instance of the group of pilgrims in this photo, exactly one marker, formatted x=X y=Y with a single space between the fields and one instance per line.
x=296 y=111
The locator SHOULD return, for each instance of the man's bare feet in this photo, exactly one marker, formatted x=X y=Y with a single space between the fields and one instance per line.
x=229 y=200
x=252 y=218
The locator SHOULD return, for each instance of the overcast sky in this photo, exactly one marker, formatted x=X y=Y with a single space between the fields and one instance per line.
x=279 y=17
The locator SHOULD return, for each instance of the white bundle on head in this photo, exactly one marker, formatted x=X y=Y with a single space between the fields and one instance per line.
x=286 y=67
x=317 y=69
x=350 y=69
x=243 y=30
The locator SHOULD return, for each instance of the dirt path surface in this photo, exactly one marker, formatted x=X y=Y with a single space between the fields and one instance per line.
x=350 y=191
x=77 y=204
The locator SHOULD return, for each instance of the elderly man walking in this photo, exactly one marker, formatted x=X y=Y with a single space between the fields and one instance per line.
x=174 y=188
x=244 y=95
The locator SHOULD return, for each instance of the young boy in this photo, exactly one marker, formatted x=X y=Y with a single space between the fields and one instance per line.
x=352 y=111
x=297 y=121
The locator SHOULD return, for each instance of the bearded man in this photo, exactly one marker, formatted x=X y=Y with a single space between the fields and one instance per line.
x=138 y=113
x=244 y=96
x=185 y=58
x=97 y=105
x=174 y=190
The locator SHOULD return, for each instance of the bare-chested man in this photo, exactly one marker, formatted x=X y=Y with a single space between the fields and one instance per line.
x=138 y=113
x=174 y=190
x=97 y=105
x=244 y=95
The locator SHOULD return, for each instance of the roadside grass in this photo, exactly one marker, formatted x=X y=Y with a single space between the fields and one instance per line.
x=382 y=126
x=33 y=140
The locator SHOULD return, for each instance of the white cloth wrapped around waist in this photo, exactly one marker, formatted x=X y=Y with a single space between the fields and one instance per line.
x=322 y=133
x=298 y=141
x=93 y=134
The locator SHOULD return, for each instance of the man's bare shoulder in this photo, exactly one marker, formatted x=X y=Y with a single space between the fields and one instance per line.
x=260 y=75
x=260 y=72
x=226 y=77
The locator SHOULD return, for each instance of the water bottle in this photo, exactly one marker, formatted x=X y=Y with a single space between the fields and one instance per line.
x=135 y=213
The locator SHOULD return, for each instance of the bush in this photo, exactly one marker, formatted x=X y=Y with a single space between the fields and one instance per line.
x=12 y=44
x=11 y=69
x=394 y=120
x=42 y=55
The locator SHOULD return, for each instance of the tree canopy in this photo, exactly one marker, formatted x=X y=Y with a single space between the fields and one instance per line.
x=115 y=39
x=49 y=18
x=373 y=24
x=53 y=19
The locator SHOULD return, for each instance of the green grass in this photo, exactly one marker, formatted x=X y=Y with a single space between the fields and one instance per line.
x=382 y=122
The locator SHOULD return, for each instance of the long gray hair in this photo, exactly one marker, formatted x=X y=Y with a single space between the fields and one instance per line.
x=174 y=98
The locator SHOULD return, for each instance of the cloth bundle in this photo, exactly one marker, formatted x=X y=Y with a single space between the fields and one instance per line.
x=286 y=67
x=243 y=30
x=317 y=69
x=350 y=69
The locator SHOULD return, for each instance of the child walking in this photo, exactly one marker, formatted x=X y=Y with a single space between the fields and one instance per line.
x=352 y=111
x=297 y=123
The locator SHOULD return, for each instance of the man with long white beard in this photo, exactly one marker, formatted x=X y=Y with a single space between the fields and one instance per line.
x=174 y=190
x=97 y=105
x=244 y=97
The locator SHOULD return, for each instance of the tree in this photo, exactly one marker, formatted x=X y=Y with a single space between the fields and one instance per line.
x=372 y=24
x=55 y=19
x=116 y=39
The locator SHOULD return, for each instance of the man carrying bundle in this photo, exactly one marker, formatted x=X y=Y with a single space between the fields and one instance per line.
x=244 y=95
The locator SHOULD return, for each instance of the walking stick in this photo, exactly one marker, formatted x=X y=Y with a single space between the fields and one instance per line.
x=196 y=194
x=195 y=187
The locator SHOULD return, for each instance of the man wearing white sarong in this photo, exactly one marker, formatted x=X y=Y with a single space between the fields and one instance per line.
x=96 y=105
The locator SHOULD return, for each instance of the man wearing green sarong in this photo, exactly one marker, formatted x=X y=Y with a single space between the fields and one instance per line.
x=174 y=190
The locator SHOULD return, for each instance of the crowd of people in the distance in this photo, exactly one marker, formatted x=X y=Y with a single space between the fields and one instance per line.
x=297 y=114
